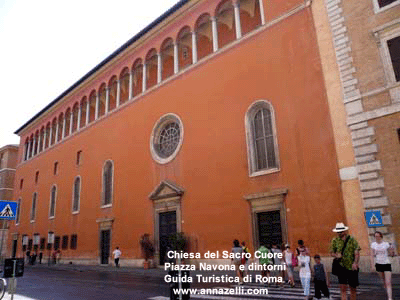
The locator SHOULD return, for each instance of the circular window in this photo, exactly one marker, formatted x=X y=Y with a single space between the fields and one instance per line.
x=166 y=139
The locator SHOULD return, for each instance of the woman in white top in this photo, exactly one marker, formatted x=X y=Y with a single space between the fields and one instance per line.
x=288 y=254
x=381 y=251
x=305 y=273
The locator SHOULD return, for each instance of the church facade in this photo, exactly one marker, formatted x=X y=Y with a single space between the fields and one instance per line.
x=212 y=121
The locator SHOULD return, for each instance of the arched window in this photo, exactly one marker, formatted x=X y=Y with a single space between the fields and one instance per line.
x=151 y=68
x=184 y=42
x=46 y=142
x=113 y=86
x=167 y=58
x=36 y=143
x=102 y=100
x=261 y=138
x=68 y=120
x=76 y=195
x=26 y=149
x=53 y=131
x=204 y=36
x=137 y=72
x=42 y=135
x=60 y=127
x=75 y=116
x=225 y=23
x=41 y=138
x=31 y=146
x=250 y=17
x=83 y=112
x=92 y=106
x=53 y=197
x=33 y=208
x=108 y=171
x=124 y=86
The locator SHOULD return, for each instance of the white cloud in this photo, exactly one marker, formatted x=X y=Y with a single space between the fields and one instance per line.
x=46 y=46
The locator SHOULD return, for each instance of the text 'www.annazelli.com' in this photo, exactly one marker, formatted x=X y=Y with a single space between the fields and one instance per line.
x=221 y=291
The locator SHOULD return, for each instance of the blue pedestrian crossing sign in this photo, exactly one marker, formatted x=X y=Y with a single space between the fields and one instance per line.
x=373 y=218
x=8 y=210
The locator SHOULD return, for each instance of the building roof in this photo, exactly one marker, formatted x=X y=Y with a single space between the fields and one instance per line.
x=6 y=147
x=107 y=59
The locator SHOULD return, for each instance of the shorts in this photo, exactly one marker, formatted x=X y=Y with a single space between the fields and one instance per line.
x=349 y=277
x=383 y=268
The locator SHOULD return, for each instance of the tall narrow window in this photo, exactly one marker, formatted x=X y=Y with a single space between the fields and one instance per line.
x=76 y=195
x=64 y=244
x=394 y=50
x=79 y=158
x=261 y=138
x=42 y=243
x=36 y=177
x=74 y=241
x=107 y=183
x=56 y=243
x=55 y=170
x=33 y=208
x=53 y=195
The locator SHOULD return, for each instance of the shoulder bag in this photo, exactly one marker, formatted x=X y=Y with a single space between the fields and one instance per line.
x=336 y=267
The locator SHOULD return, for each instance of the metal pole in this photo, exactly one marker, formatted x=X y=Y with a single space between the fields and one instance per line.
x=180 y=279
x=14 y=280
x=2 y=240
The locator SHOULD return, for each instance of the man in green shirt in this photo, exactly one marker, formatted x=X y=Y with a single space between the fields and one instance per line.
x=349 y=260
x=265 y=261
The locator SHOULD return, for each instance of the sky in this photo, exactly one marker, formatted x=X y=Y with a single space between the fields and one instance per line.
x=46 y=46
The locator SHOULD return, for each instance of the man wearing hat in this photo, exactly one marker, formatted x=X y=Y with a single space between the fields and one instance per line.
x=346 y=248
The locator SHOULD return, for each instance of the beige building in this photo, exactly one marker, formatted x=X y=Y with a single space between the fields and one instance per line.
x=360 y=52
x=8 y=163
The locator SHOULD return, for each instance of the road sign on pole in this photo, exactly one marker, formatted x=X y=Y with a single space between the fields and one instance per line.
x=8 y=210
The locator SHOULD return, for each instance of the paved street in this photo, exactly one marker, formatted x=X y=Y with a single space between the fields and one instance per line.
x=98 y=283
x=54 y=284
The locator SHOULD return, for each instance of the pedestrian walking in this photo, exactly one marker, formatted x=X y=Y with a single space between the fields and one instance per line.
x=54 y=256
x=305 y=273
x=380 y=251
x=40 y=257
x=237 y=251
x=321 y=278
x=278 y=263
x=288 y=255
x=264 y=261
x=58 y=256
x=345 y=248
x=245 y=260
x=28 y=256
x=117 y=254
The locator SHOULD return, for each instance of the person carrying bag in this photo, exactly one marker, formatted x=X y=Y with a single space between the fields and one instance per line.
x=336 y=266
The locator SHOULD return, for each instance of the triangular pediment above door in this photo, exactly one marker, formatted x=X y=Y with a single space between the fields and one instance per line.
x=166 y=189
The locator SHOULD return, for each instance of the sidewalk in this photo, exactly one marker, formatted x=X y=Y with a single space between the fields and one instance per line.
x=364 y=278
